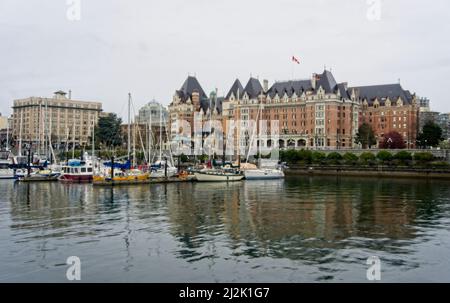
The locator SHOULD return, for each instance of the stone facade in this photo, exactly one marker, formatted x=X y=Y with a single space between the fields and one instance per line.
x=388 y=108
x=315 y=113
x=61 y=118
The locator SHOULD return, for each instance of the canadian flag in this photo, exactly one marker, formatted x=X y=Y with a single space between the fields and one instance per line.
x=294 y=59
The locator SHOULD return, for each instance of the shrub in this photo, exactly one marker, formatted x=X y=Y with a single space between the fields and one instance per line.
x=305 y=156
x=385 y=156
x=350 y=158
x=334 y=157
x=423 y=157
x=403 y=156
x=295 y=156
x=367 y=158
x=318 y=157
x=440 y=164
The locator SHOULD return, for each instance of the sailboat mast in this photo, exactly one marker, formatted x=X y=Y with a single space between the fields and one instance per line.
x=20 y=133
x=160 y=134
x=93 y=138
x=239 y=131
x=134 y=143
x=150 y=139
x=73 y=140
x=7 y=134
x=129 y=125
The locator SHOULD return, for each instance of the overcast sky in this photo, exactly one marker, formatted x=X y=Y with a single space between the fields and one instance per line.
x=148 y=48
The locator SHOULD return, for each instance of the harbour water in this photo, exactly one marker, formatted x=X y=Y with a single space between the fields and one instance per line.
x=302 y=229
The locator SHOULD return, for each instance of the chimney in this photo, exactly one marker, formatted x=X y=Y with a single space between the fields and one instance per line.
x=265 y=85
x=70 y=94
x=313 y=81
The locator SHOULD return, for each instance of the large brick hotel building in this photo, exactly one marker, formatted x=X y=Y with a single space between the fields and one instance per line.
x=314 y=113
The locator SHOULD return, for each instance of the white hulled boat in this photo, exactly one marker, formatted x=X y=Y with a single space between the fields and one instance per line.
x=5 y=165
x=267 y=170
x=218 y=175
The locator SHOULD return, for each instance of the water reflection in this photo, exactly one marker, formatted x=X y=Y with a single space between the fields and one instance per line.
x=322 y=224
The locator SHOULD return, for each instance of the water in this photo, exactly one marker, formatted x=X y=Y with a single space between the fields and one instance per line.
x=319 y=229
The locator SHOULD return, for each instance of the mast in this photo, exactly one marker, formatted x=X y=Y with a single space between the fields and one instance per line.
x=134 y=143
x=150 y=139
x=38 y=139
x=160 y=134
x=129 y=125
x=49 y=138
x=20 y=133
x=46 y=130
x=239 y=131
x=73 y=140
x=255 y=131
x=93 y=138
x=7 y=134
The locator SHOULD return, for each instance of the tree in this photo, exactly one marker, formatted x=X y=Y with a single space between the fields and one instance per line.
x=393 y=140
x=431 y=135
x=365 y=136
x=108 y=132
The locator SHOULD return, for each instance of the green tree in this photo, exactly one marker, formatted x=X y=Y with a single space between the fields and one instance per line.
x=431 y=135
x=365 y=136
x=108 y=132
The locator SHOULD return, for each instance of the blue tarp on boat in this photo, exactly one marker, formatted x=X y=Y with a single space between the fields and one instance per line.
x=126 y=165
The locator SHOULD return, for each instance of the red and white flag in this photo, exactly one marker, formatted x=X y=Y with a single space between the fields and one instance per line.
x=294 y=59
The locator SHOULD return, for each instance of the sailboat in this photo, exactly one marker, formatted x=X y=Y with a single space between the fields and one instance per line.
x=5 y=165
x=6 y=160
x=266 y=169
x=162 y=167
x=223 y=174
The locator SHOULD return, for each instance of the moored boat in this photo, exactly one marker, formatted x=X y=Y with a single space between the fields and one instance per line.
x=5 y=165
x=40 y=176
x=263 y=174
x=77 y=171
x=218 y=175
x=120 y=177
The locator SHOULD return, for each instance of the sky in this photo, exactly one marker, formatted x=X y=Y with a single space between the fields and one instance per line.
x=148 y=47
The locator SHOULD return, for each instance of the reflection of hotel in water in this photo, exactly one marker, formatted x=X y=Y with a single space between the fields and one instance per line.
x=269 y=216
x=249 y=213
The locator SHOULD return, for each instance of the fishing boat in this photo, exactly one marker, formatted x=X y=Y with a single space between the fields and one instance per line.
x=219 y=175
x=78 y=171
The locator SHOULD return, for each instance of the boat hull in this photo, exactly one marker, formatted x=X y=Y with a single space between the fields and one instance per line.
x=263 y=174
x=211 y=177
x=7 y=174
x=76 y=178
